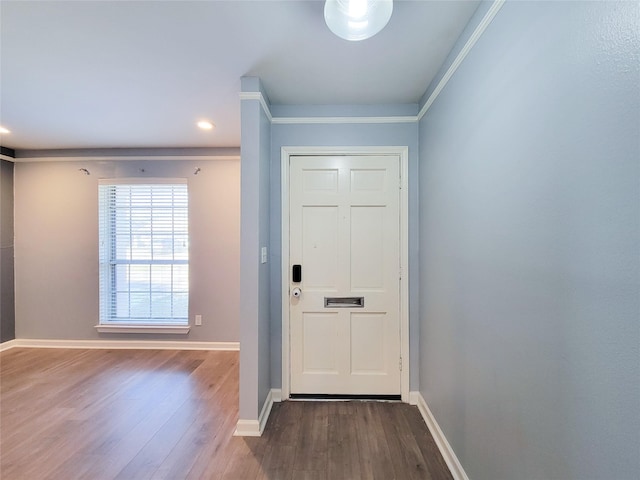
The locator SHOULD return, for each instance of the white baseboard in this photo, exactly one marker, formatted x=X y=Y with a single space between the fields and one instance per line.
x=254 y=428
x=7 y=345
x=276 y=394
x=120 y=344
x=457 y=472
x=247 y=428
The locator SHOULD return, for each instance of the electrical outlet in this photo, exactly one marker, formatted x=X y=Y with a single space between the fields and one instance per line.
x=198 y=320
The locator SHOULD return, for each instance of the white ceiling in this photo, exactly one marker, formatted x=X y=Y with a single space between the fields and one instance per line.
x=103 y=74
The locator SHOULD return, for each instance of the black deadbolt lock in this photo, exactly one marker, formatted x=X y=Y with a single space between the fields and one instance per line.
x=296 y=274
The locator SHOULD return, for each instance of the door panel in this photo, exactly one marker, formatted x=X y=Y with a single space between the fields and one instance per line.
x=320 y=247
x=368 y=348
x=317 y=357
x=367 y=242
x=344 y=231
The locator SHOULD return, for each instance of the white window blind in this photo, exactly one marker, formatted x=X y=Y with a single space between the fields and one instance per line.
x=144 y=253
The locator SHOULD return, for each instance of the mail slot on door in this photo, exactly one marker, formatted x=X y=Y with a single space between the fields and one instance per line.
x=343 y=302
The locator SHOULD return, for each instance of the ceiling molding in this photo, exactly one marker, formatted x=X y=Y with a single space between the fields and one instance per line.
x=7 y=158
x=343 y=120
x=473 y=39
x=103 y=158
x=345 y=150
x=322 y=120
x=258 y=96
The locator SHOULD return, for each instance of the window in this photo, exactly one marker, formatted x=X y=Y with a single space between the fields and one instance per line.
x=144 y=253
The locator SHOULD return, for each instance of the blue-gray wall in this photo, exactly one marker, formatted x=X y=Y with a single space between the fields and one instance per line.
x=530 y=246
x=56 y=244
x=255 y=374
x=261 y=224
x=390 y=134
x=7 y=300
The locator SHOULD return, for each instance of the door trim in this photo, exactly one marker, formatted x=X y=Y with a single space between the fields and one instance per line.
x=403 y=154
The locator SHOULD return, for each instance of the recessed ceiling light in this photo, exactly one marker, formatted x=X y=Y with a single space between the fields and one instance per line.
x=204 y=125
x=4 y=130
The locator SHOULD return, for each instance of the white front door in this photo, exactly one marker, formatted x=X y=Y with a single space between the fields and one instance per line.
x=345 y=235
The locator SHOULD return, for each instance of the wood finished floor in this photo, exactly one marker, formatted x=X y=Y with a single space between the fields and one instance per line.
x=153 y=414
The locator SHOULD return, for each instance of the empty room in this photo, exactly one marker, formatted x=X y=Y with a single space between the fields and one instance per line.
x=320 y=239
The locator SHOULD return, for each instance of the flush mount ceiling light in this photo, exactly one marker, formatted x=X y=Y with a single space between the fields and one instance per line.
x=357 y=19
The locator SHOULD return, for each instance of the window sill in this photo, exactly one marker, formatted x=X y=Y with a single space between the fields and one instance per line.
x=166 y=329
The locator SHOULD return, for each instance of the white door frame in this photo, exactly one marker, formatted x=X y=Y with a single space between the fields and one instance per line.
x=403 y=154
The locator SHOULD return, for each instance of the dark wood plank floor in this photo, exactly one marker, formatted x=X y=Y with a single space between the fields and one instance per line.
x=145 y=414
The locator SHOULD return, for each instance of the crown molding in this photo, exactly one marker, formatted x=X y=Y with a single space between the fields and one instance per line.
x=103 y=158
x=344 y=120
x=258 y=96
x=473 y=39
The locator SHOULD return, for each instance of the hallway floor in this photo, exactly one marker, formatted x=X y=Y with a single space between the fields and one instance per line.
x=160 y=414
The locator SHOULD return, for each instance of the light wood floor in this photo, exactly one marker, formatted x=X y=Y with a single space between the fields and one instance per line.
x=133 y=414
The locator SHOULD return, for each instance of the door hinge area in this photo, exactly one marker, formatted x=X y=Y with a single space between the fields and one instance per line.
x=400 y=363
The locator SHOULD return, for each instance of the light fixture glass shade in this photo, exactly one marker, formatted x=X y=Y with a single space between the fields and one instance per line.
x=357 y=19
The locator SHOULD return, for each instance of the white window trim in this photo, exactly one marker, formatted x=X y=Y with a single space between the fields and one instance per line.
x=132 y=328
x=137 y=328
